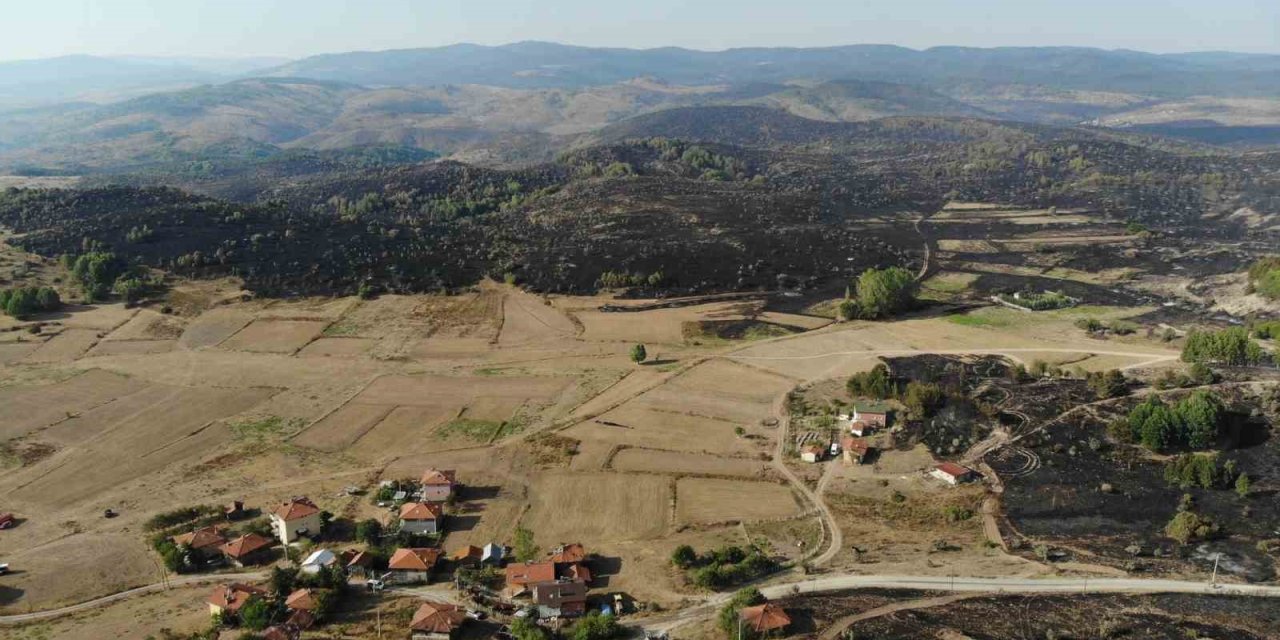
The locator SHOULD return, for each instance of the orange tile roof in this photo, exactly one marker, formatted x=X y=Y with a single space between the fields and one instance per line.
x=420 y=511
x=296 y=509
x=579 y=572
x=854 y=445
x=953 y=469
x=202 y=538
x=574 y=552
x=764 y=617
x=245 y=545
x=301 y=599
x=469 y=552
x=233 y=596
x=437 y=617
x=360 y=559
x=414 y=559
x=523 y=573
x=439 y=477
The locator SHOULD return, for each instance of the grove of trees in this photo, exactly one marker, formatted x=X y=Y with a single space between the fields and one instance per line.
x=1231 y=346
x=1194 y=423
x=880 y=293
x=21 y=302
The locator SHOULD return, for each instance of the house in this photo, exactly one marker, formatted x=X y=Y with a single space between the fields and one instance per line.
x=438 y=485
x=297 y=517
x=855 y=451
x=227 y=599
x=234 y=510
x=521 y=575
x=319 y=559
x=494 y=553
x=560 y=599
x=812 y=453
x=875 y=419
x=360 y=564
x=436 y=621
x=468 y=555
x=412 y=564
x=420 y=517
x=205 y=541
x=764 y=618
x=248 y=549
x=952 y=473
x=301 y=600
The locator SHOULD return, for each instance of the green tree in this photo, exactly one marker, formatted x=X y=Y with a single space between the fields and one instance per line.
x=595 y=626
x=1200 y=416
x=638 y=353
x=96 y=272
x=1187 y=526
x=369 y=531
x=684 y=556
x=282 y=582
x=1111 y=384
x=728 y=616
x=875 y=383
x=255 y=614
x=1242 y=485
x=884 y=292
x=525 y=548
x=923 y=398
x=524 y=629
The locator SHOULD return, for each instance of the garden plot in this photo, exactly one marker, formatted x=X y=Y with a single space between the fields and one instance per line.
x=597 y=508
x=32 y=407
x=343 y=427
x=64 y=347
x=214 y=326
x=149 y=325
x=494 y=409
x=527 y=319
x=403 y=431
x=683 y=463
x=337 y=347
x=131 y=347
x=662 y=326
x=639 y=426
x=102 y=317
x=275 y=336
x=713 y=500
x=129 y=438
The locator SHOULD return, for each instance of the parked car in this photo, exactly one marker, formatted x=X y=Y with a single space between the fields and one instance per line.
x=4 y=568
x=375 y=585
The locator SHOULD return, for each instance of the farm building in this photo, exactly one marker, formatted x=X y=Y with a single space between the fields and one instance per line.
x=764 y=618
x=319 y=559
x=227 y=599
x=467 y=555
x=562 y=598
x=863 y=423
x=420 y=517
x=494 y=553
x=855 y=451
x=297 y=517
x=438 y=485
x=812 y=453
x=952 y=473
x=522 y=575
x=436 y=621
x=412 y=565
x=360 y=563
x=248 y=549
x=569 y=554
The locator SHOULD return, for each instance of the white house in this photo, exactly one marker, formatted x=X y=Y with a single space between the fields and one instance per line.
x=812 y=453
x=420 y=517
x=297 y=517
x=319 y=559
x=438 y=485
x=952 y=473
x=493 y=553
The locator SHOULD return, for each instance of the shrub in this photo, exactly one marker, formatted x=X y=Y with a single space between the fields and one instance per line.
x=885 y=292
x=1229 y=346
x=1187 y=526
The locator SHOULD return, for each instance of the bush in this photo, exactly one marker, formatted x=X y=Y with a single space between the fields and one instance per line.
x=1188 y=526
x=1229 y=346
x=923 y=398
x=1194 y=422
x=595 y=626
x=638 y=353
x=875 y=383
x=1191 y=470
x=684 y=556
x=1111 y=384
x=21 y=302
x=728 y=616
x=885 y=292
x=176 y=517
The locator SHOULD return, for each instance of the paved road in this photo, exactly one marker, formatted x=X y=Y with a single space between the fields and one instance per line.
x=36 y=616
x=963 y=584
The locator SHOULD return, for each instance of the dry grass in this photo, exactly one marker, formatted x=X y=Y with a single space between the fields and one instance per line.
x=597 y=507
x=712 y=500
x=682 y=463
x=274 y=336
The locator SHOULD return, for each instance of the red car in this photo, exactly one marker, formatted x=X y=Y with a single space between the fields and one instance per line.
x=7 y=520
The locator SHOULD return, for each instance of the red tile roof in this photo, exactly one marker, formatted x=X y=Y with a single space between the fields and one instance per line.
x=414 y=559
x=420 y=511
x=567 y=553
x=437 y=617
x=578 y=571
x=360 y=559
x=764 y=617
x=245 y=545
x=435 y=477
x=952 y=469
x=855 y=445
x=524 y=573
x=233 y=596
x=202 y=538
x=300 y=600
x=469 y=552
x=296 y=509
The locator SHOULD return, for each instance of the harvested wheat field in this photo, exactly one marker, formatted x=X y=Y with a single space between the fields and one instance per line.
x=149 y=325
x=682 y=463
x=274 y=336
x=713 y=500
x=343 y=427
x=597 y=507
x=64 y=347
x=403 y=431
x=15 y=351
x=131 y=347
x=526 y=318
x=214 y=326
x=337 y=347
x=32 y=407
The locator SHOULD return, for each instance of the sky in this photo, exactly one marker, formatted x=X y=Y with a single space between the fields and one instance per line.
x=297 y=28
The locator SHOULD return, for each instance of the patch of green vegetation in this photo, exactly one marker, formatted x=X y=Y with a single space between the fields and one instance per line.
x=980 y=318
x=477 y=430
x=271 y=429
x=950 y=282
x=341 y=329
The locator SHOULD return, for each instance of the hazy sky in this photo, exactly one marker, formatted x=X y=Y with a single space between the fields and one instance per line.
x=295 y=28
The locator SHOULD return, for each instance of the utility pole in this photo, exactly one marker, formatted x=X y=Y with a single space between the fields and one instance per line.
x=1213 y=581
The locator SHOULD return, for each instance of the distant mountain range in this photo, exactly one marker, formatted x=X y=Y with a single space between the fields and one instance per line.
x=542 y=64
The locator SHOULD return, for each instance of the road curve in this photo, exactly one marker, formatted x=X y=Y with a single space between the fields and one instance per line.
x=48 y=614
